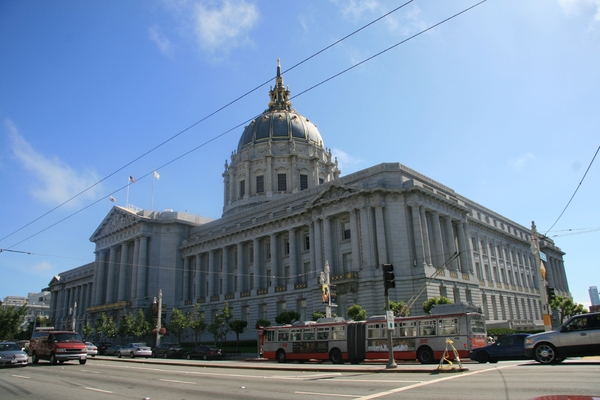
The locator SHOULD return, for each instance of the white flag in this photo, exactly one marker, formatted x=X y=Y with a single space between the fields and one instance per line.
x=156 y=175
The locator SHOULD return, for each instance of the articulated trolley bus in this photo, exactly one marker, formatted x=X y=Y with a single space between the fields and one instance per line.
x=420 y=338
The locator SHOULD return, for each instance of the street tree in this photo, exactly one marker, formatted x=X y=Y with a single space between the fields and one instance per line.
x=287 y=317
x=220 y=325
x=238 y=326
x=566 y=307
x=196 y=322
x=431 y=302
x=11 y=319
x=400 y=308
x=177 y=323
x=357 y=313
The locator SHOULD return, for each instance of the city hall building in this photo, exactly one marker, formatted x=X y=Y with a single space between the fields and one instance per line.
x=287 y=214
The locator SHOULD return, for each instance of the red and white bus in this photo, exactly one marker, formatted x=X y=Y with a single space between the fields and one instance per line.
x=420 y=338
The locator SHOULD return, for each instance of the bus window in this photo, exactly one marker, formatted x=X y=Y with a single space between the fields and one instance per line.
x=282 y=336
x=309 y=334
x=339 y=333
x=296 y=335
x=269 y=335
x=427 y=328
x=408 y=329
x=373 y=331
x=448 y=326
x=478 y=325
x=323 y=334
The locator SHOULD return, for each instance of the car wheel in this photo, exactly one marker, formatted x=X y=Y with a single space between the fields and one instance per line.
x=82 y=361
x=425 y=355
x=483 y=357
x=131 y=355
x=545 y=353
x=119 y=354
x=53 y=359
x=281 y=357
x=336 y=356
x=165 y=355
x=205 y=356
x=153 y=355
x=34 y=358
x=188 y=356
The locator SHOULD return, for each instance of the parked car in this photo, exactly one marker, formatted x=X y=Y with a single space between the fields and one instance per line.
x=112 y=350
x=168 y=350
x=135 y=350
x=57 y=346
x=509 y=347
x=92 y=350
x=11 y=354
x=578 y=337
x=102 y=347
x=205 y=352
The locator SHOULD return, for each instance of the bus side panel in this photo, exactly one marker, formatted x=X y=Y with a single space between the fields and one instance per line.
x=356 y=342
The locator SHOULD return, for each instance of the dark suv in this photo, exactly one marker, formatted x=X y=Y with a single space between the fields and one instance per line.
x=578 y=337
x=57 y=346
x=168 y=350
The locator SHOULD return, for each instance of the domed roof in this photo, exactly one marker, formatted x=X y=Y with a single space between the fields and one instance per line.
x=280 y=122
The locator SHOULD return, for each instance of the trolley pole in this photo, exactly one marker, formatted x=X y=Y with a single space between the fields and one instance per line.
x=158 y=324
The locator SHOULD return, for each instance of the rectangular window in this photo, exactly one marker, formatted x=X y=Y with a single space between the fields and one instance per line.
x=320 y=181
x=281 y=182
x=260 y=184
x=427 y=328
x=347 y=262
x=268 y=250
x=287 y=246
x=303 y=182
x=306 y=241
x=346 y=230
x=242 y=188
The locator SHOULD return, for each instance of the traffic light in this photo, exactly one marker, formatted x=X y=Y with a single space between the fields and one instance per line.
x=388 y=277
x=551 y=293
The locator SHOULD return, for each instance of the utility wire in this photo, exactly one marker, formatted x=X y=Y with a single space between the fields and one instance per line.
x=574 y=193
x=204 y=119
x=240 y=124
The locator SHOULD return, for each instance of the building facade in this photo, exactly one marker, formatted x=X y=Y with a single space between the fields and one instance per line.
x=287 y=212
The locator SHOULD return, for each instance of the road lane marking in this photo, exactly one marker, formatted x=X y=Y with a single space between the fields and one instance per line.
x=21 y=376
x=425 y=383
x=98 y=390
x=174 y=381
x=326 y=394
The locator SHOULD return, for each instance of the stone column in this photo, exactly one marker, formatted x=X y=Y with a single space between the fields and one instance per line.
x=226 y=271
x=99 y=289
x=242 y=269
x=186 y=279
x=451 y=243
x=258 y=270
x=438 y=240
x=212 y=272
x=426 y=241
x=199 y=277
x=269 y=176
x=381 y=244
x=134 y=269
x=275 y=267
x=319 y=262
x=293 y=256
x=111 y=279
x=465 y=251
x=418 y=235
x=354 y=236
x=142 y=268
x=327 y=245
x=123 y=267
x=366 y=234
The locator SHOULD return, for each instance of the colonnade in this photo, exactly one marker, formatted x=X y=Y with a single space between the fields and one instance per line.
x=124 y=278
x=63 y=301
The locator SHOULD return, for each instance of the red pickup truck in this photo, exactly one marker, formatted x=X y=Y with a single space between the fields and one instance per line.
x=57 y=346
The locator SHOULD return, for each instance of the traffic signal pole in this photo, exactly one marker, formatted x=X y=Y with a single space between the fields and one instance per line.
x=388 y=282
x=541 y=273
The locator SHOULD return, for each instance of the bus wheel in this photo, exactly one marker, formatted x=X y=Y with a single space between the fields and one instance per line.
x=425 y=355
x=281 y=356
x=336 y=356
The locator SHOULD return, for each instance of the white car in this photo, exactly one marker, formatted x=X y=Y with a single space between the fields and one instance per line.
x=11 y=354
x=92 y=350
x=135 y=350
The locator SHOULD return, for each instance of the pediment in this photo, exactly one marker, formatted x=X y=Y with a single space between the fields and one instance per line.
x=333 y=193
x=55 y=280
x=116 y=220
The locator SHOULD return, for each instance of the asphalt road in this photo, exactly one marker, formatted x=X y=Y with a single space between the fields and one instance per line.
x=106 y=378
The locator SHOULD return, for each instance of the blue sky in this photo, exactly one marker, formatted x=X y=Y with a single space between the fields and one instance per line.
x=500 y=103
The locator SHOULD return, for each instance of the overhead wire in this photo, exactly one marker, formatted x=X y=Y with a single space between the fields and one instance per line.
x=204 y=119
x=247 y=120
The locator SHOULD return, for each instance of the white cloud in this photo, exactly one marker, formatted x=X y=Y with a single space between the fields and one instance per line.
x=225 y=27
x=44 y=266
x=54 y=180
x=164 y=44
x=346 y=163
x=591 y=7
x=521 y=161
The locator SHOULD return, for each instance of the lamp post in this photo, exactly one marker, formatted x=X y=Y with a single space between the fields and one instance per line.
x=535 y=249
x=325 y=285
x=159 y=316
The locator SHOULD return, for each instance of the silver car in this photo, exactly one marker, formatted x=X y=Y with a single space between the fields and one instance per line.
x=135 y=350
x=578 y=337
x=12 y=354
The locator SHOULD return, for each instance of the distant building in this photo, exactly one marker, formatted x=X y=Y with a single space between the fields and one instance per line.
x=38 y=305
x=287 y=212
x=594 y=298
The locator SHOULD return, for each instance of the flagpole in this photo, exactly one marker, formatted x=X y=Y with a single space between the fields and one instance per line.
x=127 y=200
x=152 y=202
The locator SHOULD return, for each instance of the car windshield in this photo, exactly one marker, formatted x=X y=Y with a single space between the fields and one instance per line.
x=9 y=347
x=67 y=337
x=138 y=344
